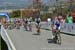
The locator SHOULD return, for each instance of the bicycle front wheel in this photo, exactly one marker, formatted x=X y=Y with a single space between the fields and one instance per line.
x=59 y=38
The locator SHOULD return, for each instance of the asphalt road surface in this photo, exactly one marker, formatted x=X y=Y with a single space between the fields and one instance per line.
x=24 y=40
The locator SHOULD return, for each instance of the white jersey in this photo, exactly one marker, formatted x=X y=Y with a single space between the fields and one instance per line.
x=37 y=19
x=29 y=21
x=49 y=19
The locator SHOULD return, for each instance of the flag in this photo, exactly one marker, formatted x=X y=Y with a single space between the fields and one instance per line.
x=4 y=37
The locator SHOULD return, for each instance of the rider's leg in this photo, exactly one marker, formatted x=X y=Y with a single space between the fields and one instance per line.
x=38 y=27
x=52 y=34
x=25 y=27
x=18 y=26
x=30 y=28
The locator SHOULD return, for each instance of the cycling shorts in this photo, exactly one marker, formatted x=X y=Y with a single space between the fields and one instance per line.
x=58 y=28
x=55 y=27
x=26 y=22
x=38 y=22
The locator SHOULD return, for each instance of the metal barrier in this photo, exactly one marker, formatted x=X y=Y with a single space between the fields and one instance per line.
x=66 y=27
x=6 y=38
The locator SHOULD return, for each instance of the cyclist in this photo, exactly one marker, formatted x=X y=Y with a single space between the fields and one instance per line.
x=56 y=29
x=10 y=24
x=18 y=24
x=57 y=32
x=14 y=22
x=38 y=20
x=53 y=27
x=29 y=23
x=25 y=22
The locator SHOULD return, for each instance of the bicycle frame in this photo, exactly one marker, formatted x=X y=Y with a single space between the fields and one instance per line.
x=57 y=37
x=38 y=28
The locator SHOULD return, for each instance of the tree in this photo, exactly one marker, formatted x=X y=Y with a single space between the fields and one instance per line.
x=15 y=14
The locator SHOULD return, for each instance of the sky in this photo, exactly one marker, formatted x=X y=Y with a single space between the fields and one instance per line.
x=18 y=2
x=23 y=3
x=27 y=2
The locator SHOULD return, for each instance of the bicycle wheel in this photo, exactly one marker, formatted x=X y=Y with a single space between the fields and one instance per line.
x=38 y=29
x=58 y=38
x=17 y=27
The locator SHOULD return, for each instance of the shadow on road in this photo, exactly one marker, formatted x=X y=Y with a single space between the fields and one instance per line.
x=36 y=34
x=3 y=45
x=51 y=41
x=68 y=34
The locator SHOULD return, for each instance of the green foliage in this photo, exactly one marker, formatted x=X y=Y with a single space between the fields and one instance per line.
x=43 y=18
x=15 y=14
x=45 y=8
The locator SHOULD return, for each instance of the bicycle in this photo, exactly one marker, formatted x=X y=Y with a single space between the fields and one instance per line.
x=38 y=28
x=30 y=27
x=17 y=25
x=10 y=25
x=57 y=37
x=25 y=26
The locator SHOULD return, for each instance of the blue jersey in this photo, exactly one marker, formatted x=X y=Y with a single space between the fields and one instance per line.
x=53 y=22
x=57 y=25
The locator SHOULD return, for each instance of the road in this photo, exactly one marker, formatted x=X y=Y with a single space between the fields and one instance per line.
x=24 y=40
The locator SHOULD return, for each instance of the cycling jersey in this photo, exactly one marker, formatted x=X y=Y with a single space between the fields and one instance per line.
x=53 y=25
x=29 y=21
x=57 y=26
x=37 y=20
x=26 y=21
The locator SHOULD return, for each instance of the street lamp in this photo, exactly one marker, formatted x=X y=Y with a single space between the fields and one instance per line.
x=61 y=6
x=21 y=12
x=57 y=6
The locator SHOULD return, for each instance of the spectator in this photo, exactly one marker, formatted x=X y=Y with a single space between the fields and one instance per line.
x=70 y=21
x=29 y=23
x=49 y=22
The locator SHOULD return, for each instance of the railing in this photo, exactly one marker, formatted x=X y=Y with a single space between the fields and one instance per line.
x=66 y=27
x=7 y=39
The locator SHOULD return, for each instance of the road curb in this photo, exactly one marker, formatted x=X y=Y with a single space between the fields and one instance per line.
x=61 y=32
